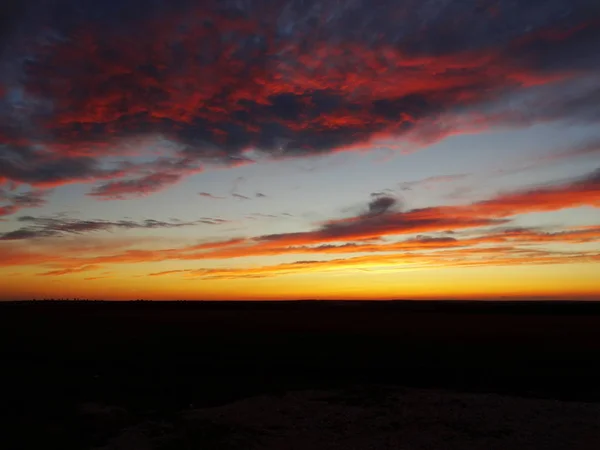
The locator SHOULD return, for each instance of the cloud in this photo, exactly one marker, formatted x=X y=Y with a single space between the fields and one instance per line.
x=10 y=13
x=570 y=101
x=383 y=193
x=583 y=191
x=22 y=200
x=394 y=262
x=30 y=199
x=137 y=187
x=212 y=221
x=44 y=227
x=580 y=150
x=209 y=195
x=507 y=237
x=483 y=233
x=496 y=247
x=166 y=272
x=46 y=169
x=69 y=271
x=381 y=205
x=160 y=174
x=7 y=210
x=586 y=149
x=254 y=216
x=210 y=81
x=381 y=220
x=431 y=182
x=235 y=195
x=365 y=232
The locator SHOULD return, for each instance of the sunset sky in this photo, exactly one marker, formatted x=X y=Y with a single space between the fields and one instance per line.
x=276 y=149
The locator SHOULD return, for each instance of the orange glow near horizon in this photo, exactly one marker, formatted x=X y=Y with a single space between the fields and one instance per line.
x=556 y=282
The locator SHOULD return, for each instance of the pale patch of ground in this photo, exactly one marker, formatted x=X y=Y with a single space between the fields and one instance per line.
x=374 y=418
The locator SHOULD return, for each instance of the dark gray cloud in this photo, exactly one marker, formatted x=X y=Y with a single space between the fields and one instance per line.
x=11 y=12
x=433 y=239
x=571 y=100
x=255 y=216
x=234 y=195
x=24 y=164
x=380 y=205
x=56 y=226
x=30 y=199
x=212 y=221
x=383 y=193
x=16 y=202
x=209 y=195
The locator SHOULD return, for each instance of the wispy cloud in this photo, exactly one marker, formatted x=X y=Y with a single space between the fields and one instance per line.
x=69 y=271
x=151 y=177
x=167 y=272
x=240 y=196
x=464 y=183
x=211 y=196
x=425 y=237
x=17 y=202
x=45 y=227
x=212 y=221
x=432 y=182
x=469 y=258
x=234 y=195
x=255 y=216
x=104 y=277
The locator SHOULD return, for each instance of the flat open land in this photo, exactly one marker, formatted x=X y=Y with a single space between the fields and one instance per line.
x=409 y=375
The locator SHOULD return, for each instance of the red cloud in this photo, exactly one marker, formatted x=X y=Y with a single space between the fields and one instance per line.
x=213 y=83
x=7 y=210
x=582 y=192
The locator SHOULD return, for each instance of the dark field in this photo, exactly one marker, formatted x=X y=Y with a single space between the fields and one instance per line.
x=153 y=360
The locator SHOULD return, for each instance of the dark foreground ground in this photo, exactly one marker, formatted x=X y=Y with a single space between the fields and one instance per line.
x=83 y=375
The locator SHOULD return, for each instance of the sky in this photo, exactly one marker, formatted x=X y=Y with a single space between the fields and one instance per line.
x=300 y=149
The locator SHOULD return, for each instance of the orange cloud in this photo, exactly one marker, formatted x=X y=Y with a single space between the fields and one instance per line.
x=364 y=233
x=499 y=256
x=70 y=270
